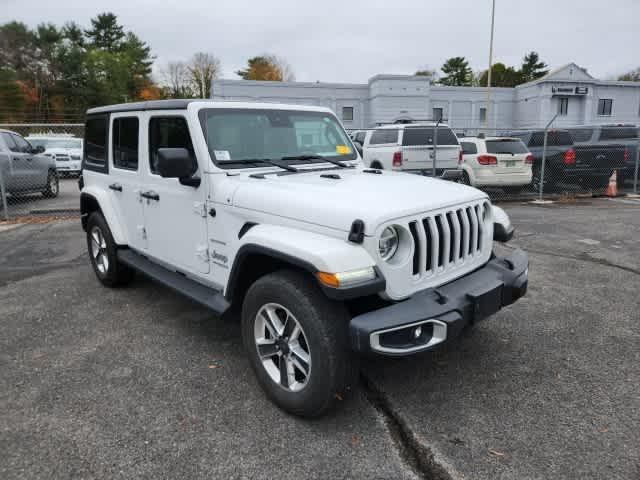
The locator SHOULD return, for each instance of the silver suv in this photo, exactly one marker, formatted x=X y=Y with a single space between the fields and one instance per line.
x=23 y=168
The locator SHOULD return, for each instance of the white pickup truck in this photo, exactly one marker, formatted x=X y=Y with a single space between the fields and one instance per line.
x=268 y=208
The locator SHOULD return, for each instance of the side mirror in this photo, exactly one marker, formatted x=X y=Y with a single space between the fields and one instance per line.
x=177 y=163
x=37 y=150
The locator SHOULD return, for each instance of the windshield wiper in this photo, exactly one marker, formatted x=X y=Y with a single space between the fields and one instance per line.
x=318 y=157
x=257 y=161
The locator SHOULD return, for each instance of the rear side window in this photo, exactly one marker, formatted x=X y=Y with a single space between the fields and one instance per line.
x=581 y=134
x=425 y=136
x=95 y=144
x=506 y=146
x=554 y=138
x=125 y=142
x=469 y=148
x=618 y=133
x=384 y=136
x=168 y=132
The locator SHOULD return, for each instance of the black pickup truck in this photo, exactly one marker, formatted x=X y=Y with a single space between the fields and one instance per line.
x=586 y=165
x=612 y=136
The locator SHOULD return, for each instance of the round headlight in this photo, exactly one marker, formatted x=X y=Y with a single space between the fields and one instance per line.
x=388 y=243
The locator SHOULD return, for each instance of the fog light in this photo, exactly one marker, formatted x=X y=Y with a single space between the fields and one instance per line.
x=417 y=333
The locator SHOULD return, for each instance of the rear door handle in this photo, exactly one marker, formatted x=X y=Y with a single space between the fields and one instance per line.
x=116 y=186
x=151 y=195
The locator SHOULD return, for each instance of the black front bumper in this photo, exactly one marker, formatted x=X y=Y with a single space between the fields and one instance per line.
x=436 y=315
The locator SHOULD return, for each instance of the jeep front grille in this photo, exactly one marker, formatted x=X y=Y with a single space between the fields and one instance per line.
x=446 y=240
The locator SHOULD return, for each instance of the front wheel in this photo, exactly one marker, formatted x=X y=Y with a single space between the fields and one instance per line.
x=52 y=188
x=296 y=340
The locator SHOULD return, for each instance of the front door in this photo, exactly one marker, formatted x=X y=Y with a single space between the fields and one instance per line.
x=17 y=177
x=175 y=214
x=125 y=176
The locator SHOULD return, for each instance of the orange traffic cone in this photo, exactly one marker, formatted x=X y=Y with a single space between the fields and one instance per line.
x=612 y=188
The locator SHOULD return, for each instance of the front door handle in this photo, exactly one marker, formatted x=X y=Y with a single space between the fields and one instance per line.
x=116 y=186
x=150 y=195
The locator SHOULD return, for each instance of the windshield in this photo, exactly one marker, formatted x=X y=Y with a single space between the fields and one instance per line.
x=506 y=146
x=71 y=143
x=244 y=135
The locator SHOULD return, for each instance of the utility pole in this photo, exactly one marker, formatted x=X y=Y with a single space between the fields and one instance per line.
x=493 y=14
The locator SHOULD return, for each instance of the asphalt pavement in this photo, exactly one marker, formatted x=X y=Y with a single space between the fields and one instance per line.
x=141 y=383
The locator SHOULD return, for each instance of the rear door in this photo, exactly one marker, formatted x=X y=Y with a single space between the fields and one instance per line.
x=418 y=148
x=125 y=177
x=511 y=154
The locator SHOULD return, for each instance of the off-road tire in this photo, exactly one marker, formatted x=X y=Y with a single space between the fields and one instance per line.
x=116 y=274
x=334 y=368
x=52 y=188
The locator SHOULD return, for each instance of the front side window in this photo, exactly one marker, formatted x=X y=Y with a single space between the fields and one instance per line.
x=416 y=136
x=125 y=142
x=95 y=147
x=22 y=144
x=563 y=106
x=244 y=137
x=347 y=114
x=168 y=132
x=605 y=106
x=11 y=145
x=506 y=145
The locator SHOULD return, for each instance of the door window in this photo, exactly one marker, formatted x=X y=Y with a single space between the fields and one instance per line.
x=125 y=142
x=22 y=144
x=11 y=145
x=168 y=132
x=469 y=148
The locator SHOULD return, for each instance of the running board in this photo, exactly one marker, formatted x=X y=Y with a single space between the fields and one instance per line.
x=189 y=288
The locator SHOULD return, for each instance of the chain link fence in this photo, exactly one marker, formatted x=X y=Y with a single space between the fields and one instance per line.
x=38 y=177
x=511 y=163
x=39 y=167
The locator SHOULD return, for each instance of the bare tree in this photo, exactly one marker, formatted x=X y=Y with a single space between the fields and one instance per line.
x=203 y=69
x=177 y=79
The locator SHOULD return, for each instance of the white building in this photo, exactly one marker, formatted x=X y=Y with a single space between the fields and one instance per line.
x=570 y=91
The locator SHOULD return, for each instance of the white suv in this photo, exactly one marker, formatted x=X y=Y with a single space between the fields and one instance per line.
x=412 y=148
x=503 y=162
x=65 y=149
x=267 y=208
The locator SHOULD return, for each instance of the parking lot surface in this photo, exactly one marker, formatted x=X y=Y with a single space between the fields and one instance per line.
x=141 y=383
x=68 y=199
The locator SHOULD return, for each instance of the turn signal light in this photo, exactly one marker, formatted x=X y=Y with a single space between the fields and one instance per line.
x=487 y=160
x=346 y=279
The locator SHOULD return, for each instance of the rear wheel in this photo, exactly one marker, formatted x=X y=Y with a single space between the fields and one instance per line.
x=52 y=188
x=103 y=253
x=296 y=340
x=376 y=165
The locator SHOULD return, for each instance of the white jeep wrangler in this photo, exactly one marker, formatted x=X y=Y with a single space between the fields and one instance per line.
x=268 y=208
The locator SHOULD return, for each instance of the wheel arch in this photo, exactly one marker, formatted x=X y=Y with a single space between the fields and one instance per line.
x=96 y=201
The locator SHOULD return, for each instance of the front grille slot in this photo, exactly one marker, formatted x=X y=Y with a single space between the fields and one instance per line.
x=447 y=240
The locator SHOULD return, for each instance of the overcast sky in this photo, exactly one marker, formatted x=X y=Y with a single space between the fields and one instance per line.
x=348 y=41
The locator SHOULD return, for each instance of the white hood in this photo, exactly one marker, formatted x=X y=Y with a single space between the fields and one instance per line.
x=336 y=203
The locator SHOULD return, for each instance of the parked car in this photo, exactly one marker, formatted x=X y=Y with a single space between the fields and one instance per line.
x=66 y=150
x=410 y=148
x=267 y=208
x=612 y=135
x=589 y=166
x=23 y=167
x=503 y=162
